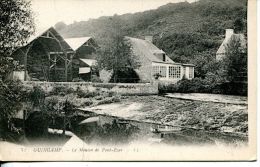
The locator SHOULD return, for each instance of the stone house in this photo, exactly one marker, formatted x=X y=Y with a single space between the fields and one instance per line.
x=154 y=63
x=228 y=36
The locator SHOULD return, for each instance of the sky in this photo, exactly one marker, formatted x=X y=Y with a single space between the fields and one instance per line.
x=49 y=12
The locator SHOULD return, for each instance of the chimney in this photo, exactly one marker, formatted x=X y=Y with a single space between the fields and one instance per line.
x=149 y=38
x=229 y=33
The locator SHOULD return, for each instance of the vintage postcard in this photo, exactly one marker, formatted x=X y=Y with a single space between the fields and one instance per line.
x=128 y=80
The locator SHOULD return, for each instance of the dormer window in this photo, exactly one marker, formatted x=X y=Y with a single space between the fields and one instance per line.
x=160 y=54
x=164 y=57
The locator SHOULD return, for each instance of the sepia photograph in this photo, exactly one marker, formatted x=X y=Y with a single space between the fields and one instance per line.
x=127 y=80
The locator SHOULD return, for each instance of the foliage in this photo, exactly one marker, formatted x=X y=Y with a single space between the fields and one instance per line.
x=36 y=96
x=96 y=79
x=16 y=24
x=212 y=83
x=117 y=133
x=118 y=57
x=235 y=61
x=11 y=101
x=61 y=90
x=187 y=32
x=7 y=64
x=86 y=93
x=108 y=100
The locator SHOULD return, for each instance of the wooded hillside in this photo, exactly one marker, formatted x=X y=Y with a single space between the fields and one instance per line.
x=187 y=32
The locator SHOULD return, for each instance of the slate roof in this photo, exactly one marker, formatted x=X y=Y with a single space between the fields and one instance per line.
x=75 y=43
x=147 y=49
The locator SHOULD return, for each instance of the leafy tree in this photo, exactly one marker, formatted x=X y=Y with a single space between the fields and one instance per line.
x=117 y=54
x=235 y=61
x=117 y=133
x=16 y=26
x=118 y=57
x=11 y=101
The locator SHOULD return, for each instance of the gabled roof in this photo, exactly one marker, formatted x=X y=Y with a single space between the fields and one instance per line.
x=75 y=43
x=50 y=38
x=222 y=48
x=147 y=49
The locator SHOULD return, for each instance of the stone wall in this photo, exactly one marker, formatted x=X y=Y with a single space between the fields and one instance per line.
x=118 y=88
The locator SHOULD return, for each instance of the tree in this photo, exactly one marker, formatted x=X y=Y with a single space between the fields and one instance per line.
x=118 y=57
x=11 y=98
x=117 y=54
x=235 y=61
x=16 y=26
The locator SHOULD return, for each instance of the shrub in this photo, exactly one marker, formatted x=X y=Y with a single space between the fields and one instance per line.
x=117 y=133
x=87 y=102
x=36 y=96
x=61 y=90
x=96 y=79
x=77 y=80
x=86 y=93
x=109 y=100
x=11 y=99
x=210 y=84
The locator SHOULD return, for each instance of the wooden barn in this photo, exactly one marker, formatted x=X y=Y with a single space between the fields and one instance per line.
x=84 y=58
x=46 y=57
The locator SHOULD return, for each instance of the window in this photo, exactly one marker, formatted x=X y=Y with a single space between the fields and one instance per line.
x=174 y=72
x=161 y=70
x=191 y=72
x=156 y=70
x=164 y=57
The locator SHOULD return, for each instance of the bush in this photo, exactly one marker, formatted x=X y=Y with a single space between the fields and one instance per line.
x=96 y=79
x=109 y=100
x=210 y=84
x=77 y=80
x=184 y=86
x=36 y=96
x=86 y=93
x=12 y=97
x=117 y=133
x=61 y=90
